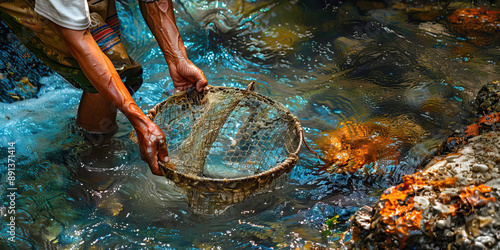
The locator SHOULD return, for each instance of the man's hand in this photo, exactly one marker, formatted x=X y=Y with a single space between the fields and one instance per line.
x=159 y=16
x=186 y=75
x=152 y=144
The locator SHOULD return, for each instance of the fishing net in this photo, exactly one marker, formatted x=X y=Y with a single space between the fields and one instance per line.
x=226 y=144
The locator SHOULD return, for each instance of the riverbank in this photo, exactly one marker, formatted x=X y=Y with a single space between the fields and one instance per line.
x=453 y=202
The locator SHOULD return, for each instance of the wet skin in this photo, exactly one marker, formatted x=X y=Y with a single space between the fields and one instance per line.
x=159 y=16
x=97 y=112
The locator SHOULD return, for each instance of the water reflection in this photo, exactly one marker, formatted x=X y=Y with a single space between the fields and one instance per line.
x=329 y=62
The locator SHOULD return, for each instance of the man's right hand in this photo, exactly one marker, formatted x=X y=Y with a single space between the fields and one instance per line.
x=152 y=143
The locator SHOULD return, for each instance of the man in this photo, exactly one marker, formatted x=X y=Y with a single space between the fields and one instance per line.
x=57 y=31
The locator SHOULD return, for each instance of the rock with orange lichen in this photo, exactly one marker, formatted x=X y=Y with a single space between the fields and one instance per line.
x=453 y=203
x=355 y=145
x=480 y=25
x=351 y=146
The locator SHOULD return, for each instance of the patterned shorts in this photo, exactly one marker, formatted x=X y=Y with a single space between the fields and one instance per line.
x=40 y=36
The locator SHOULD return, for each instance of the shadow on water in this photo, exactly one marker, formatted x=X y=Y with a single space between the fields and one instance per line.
x=365 y=74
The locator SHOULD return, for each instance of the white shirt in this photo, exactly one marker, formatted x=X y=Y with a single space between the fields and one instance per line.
x=71 y=14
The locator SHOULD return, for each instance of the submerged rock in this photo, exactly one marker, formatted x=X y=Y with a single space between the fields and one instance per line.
x=355 y=146
x=480 y=25
x=376 y=52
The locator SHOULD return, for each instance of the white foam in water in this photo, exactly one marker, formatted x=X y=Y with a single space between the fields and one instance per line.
x=31 y=121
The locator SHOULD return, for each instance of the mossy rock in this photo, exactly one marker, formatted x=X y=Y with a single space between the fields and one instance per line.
x=488 y=99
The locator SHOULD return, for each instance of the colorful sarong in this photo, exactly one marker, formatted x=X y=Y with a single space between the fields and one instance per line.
x=40 y=36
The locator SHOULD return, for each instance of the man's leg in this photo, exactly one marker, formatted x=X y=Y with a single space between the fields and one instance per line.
x=96 y=114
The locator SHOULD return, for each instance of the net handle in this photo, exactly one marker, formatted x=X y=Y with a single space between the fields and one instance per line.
x=307 y=146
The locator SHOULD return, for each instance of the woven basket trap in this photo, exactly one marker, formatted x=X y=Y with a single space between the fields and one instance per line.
x=226 y=144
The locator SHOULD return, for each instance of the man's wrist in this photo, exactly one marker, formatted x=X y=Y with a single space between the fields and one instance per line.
x=175 y=56
x=135 y=115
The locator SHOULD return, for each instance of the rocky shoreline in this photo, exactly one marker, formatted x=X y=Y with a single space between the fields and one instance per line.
x=452 y=203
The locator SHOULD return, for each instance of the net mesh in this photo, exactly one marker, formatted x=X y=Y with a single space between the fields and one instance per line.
x=226 y=144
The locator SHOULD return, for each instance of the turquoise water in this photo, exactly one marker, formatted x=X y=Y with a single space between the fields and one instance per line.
x=328 y=63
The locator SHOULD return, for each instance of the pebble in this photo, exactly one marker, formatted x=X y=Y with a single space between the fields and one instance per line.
x=467 y=150
x=439 y=164
x=461 y=180
x=495 y=184
x=481 y=168
x=421 y=203
x=363 y=217
x=451 y=157
x=486 y=240
x=441 y=208
x=441 y=224
x=487 y=176
x=478 y=245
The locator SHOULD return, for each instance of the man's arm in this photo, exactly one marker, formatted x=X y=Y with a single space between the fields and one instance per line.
x=102 y=74
x=159 y=16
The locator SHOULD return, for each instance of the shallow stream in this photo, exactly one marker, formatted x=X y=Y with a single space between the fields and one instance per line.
x=329 y=62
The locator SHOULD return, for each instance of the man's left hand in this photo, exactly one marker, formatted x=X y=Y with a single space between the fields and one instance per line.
x=186 y=75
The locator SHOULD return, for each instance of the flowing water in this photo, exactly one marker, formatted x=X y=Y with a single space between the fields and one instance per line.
x=330 y=63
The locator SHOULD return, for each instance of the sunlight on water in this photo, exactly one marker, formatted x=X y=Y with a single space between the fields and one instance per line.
x=367 y=80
